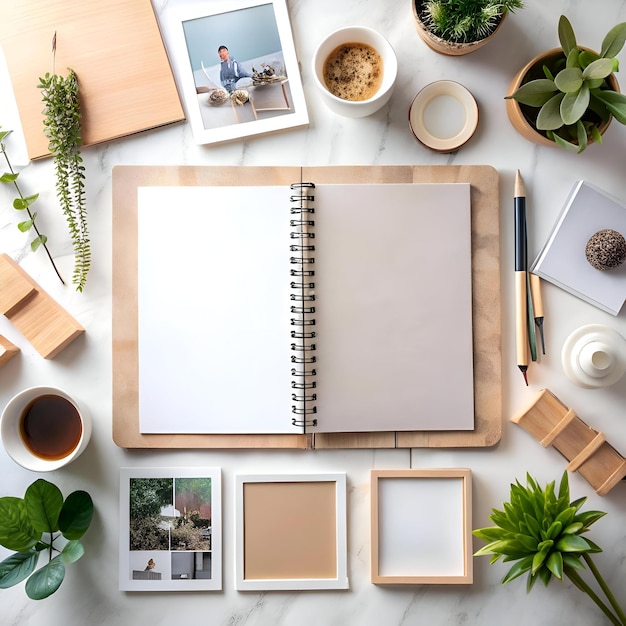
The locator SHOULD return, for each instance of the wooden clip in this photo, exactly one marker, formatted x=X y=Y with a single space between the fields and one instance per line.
x=47 y=326
x=552 y=423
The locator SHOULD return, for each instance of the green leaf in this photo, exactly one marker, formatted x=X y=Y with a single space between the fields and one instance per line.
x=564 y=490
x=587 y=57
x=25 y=226
x=567 y=38
x=535 y=93
x=46 y=580
x=490 y=533
x=549 y=117
x=545 y=576
x=554 y=530
x=614 y=102
x=573 y=561
x=521 y=567
x=72 y=551
x=4 y=134
x=23 y=203
x=38 y=241
x=572 y=543
x=8 y=177
x=572 y=59
x=581 y=135
x=16 y=532
x=559 y=141
x=598 y=69
x=573 y=529
x=15 y=568
x=555 y=564
x=568 y=80
x=540 y=556
x=76 y=515
x=574 y=105
x=614 y=40
x=43 y=503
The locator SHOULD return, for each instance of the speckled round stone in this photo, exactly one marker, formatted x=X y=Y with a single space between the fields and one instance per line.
x=606 y=249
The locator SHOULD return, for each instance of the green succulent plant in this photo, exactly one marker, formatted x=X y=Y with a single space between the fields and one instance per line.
x=575 y=96
x=464 y=21
x=37 y=523
x=541 y=531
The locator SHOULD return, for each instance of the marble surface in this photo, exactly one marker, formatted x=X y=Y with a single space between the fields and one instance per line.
x=90 y=593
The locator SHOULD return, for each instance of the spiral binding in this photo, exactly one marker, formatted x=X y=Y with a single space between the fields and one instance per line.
x=302 y=310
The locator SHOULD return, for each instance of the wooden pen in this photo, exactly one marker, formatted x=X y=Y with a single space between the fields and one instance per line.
x=521 y=268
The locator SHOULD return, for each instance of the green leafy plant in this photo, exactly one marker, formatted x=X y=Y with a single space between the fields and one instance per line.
x=62 y=126
x=38 y=523
x=23 y=203
x=464 y=21
x=575 y=94
x=541 y=531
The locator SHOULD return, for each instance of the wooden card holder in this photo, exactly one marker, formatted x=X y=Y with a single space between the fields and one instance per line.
x=552 y=423
x=7 y=350
x=47 y=326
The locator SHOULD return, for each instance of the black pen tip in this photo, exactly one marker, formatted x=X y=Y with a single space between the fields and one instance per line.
x=523 y=369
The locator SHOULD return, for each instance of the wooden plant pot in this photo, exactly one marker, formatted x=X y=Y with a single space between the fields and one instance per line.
x=523 y=117
x=443 y=46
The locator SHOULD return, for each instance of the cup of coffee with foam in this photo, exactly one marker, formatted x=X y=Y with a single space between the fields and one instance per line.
x=355 y=70
x=44 y=428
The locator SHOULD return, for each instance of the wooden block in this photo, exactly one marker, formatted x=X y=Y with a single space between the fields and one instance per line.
x=552 y=423
x=47 y=325
x=15 y=288
x=7 y=350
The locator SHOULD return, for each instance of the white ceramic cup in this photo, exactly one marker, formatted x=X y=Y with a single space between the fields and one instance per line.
x=356 y=34
x=14 y=443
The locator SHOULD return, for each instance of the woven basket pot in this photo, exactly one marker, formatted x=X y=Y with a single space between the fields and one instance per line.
x=523 y=117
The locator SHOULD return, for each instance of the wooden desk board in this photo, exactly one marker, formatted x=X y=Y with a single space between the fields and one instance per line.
x=486 y=302
x=125 y=80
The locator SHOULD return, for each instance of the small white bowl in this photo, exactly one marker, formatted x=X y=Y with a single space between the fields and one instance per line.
x=12 y=439
x=356 y=34
x=443 y=116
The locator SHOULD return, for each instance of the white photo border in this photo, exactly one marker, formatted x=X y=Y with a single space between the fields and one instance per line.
x=126 y=582
x=292 y=584
x=172 y=23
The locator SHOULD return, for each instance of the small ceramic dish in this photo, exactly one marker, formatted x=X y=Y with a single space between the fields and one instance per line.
x=443 y=116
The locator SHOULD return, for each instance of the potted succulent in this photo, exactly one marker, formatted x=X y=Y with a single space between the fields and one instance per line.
x=42 y=522
x=541 y=532
x=456 y=27
x=567 y=96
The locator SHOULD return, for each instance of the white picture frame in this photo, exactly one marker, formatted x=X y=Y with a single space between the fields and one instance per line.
x=421 y=526
x=291 y=532
x=172 y=539
x=258 y=36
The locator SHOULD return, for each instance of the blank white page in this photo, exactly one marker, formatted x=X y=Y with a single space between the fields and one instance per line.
x=213 y=310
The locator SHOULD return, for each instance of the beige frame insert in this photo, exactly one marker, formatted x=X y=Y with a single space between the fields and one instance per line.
x=421 y=526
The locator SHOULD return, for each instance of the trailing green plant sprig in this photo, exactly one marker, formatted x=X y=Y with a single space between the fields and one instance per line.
x=62 y=126
x=575 y=87
x=541 y=531
x=465 y=21
x=36 y=524
x=23 y=203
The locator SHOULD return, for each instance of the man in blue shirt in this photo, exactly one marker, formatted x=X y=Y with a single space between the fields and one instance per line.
x=230 y=70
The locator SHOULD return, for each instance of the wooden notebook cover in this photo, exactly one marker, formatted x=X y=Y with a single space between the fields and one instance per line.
x=115 y=47
x=486 y=308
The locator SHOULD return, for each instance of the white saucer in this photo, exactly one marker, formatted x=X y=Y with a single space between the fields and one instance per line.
x=443 y=116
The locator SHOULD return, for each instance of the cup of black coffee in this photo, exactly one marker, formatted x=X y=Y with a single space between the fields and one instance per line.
x=44 y=428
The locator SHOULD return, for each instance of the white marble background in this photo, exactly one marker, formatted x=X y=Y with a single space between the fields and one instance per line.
x=89 y=594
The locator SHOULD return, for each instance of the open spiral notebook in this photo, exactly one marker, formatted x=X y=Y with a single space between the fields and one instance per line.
x=307 y=308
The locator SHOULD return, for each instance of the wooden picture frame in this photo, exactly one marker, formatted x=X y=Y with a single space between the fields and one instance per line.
x=257 y=35
x=291 y=532
x=183 y=509
x=421 y=529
